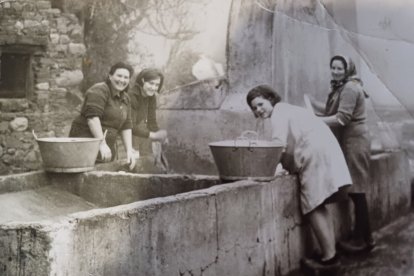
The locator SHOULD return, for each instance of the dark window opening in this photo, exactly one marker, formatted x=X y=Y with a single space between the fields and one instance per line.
x=58 y=4
x=14 y=75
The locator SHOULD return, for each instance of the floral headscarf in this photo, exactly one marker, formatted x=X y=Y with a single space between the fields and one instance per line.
x=350 y=73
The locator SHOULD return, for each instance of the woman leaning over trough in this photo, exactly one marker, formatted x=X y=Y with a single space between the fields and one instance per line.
x=107 y=108
x=345 y=113
x=144 y=108
x=312 y=153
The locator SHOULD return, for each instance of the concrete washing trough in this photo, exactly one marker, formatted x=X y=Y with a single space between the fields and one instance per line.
x=114 y=223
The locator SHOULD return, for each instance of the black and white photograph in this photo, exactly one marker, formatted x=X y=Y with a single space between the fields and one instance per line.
x=206 y=137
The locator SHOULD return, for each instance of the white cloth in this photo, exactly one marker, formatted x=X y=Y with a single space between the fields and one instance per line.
x=206 y=68
x=317 y=156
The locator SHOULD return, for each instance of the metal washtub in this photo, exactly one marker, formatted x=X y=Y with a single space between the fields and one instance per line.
x=244 y=158
x=70 y=155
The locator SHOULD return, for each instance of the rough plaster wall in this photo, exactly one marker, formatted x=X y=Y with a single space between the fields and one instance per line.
x=24 y=251
x=190 y=132
x=389 y=174
x=210 y=232
x=331 y=29
x=249 y=46
x=290 y=48
x=383 y=39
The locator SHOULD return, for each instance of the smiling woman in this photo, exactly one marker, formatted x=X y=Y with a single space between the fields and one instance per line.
x=144 y=103
x=107 y=108
x=345 y=113
x=311 y=152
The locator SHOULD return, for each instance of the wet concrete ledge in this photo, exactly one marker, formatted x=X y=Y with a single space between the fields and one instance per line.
x=242 y=228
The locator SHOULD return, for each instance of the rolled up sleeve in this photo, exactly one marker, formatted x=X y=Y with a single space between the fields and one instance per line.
x=95 y=101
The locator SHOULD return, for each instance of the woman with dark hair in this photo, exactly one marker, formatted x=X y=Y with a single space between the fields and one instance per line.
x=107 y=108
x=311 y=152
x=143 y=95
x=345 y=113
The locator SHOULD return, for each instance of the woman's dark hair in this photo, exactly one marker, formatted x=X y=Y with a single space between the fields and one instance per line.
x=264 y=91
x=121 y=65
x=341 y=59
x=149 y=74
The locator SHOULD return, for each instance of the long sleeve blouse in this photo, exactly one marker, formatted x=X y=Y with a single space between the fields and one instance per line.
x=144 y=114
x=347 y=102
x=112 y=108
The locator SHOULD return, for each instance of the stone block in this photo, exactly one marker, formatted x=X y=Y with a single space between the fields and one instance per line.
x=46 y=61
x=44 y=74
x=64 y=39
x=58 y=90
x=28 y=14
x=69 y=78
x=53 y=11
x=19 y=124
x=54 y=38
x=60 y=48
x=42 y=86
x=17 y=6
x=13 y=105
x=62 y=26
x=77 y=34
x=39 y=18
x=4 y=127
x=19 y=25
x=77 y=49
x=43 y=5
x=10 y=28
x=31 y=157
x=32 y=40
x=7 y=159
x=31 y=23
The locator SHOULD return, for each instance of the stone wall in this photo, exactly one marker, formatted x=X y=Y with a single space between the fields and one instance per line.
x=54 y=41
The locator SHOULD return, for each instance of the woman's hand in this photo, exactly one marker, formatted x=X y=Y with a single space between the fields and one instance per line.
x=127 y=140
x=160 y=135
x=105 y=152
x=131 y=155
x=95 y=126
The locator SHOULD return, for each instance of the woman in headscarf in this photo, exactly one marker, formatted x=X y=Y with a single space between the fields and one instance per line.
x=143 y=96
x=107 y=108
x=345 y=113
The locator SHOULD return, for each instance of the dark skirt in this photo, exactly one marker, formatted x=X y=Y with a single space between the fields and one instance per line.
x=357 y=155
